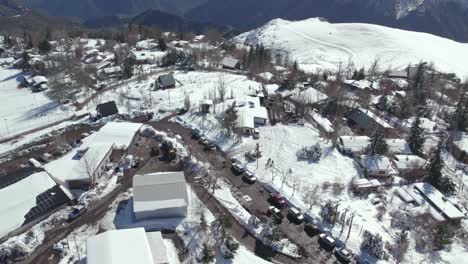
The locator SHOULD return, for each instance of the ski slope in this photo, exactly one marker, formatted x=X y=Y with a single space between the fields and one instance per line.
x=318 y=44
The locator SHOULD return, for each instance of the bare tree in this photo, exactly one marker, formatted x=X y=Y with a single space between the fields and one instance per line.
x=187 y=103
x=374 y=68
x=310 y=195
x=222 y=87
x=296 y=185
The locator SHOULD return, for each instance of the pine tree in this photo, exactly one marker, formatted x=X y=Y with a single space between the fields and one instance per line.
x=377 y=145
x=361 y=74
x=355 y=75
x=459 y=119
x=208 y=255
x=44 y=47
x=416 y=137
x=434 y=172
x=162 y=44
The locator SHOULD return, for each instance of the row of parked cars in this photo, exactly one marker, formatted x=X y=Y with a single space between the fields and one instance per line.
x=278 y=204
x=247 y=175
x=208 y=144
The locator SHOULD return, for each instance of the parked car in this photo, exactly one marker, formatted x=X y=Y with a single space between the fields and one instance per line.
x=256 y=133
x=196 y=134
x=46 y=157
x=296 y=215
x=76 y=212
x=343 y=255
x=327 y=241
x=204 y=141
x=275 y=213
x=277 y=200
x=249 y=177
x=237 y=168
x=311 y=229
x=210 y=145
x=235 y=160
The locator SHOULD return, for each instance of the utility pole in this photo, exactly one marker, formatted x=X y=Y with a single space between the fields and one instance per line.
x=350 y=225
x=77 y=249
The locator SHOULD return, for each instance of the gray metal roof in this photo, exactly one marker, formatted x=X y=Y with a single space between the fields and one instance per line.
x=229 y=62
x=159 y=187
x=166 y=80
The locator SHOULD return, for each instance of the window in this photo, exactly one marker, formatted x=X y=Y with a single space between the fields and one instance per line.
x=382 y=172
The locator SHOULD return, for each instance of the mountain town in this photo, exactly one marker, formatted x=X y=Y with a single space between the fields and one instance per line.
x=300 y=141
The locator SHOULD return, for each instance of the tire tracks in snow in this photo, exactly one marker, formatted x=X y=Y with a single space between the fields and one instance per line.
x=349 y=51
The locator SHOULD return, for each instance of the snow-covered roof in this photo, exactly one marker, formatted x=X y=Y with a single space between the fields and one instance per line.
x=375 y=162
x=362 y=84
x=461 y=141
x=119 y=133
x=266 y=75
x=425 y=195
x=112 y=70
x=119 y=247
x=229 y=62
x=19 y=198
x=323 y=122
x=39 y=79
x=206 y=102
x=363 y=117
x=404 y=162
x=398 y=146
x=159 y=191
x=76 y=166
x=249 y=111
x=147 y=44
x=309 y=95
x=354 y=143
x=158 y=248
x=398 y=74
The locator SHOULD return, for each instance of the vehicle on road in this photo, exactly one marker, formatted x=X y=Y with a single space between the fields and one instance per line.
x=249 y=177
x=343 y=255
x=256 y=133
x=295 y=215
x=277 y=200
x=237 y=168
x=275 y=213
x=76 y=212
x=311 y=229
x=327 y=241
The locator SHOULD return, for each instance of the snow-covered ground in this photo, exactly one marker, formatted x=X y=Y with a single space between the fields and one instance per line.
x=317 y=44
x=328 y=178
x=21 y=109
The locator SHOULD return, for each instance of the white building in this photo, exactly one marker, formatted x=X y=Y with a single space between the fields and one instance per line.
x=398 y=146
x=353 y=145
x=251 y=114
x=160 y=195
x=404 y=163
x=82 y=166
x=376 y=166
x=126 y=246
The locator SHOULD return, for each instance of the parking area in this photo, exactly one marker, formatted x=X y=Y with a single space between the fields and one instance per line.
x=221 y=165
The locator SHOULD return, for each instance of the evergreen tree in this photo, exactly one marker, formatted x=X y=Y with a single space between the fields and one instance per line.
x=355 y=75
x=44 y=47
x=128 y=67
x=208 y=255
x=361 y=74
x=162 y=44
x=377 y=145
x=459 y=119
x=416 y=137
x=229 y=119
x=418 y=85
x=434 y=172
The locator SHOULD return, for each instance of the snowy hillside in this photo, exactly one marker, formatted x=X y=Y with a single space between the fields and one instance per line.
x=317 y=44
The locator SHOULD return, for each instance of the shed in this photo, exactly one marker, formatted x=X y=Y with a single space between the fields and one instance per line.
x=205 y=105
x=352 y=145
x=166 y=81
x=160 y=195
x=107 y=109
x=230 y=63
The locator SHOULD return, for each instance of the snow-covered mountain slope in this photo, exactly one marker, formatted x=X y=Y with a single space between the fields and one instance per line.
x=317 y=44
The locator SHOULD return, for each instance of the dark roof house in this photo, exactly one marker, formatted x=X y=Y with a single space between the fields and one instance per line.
x=165 y=81
x=107 y=109
x=230 y=63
